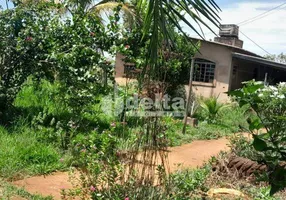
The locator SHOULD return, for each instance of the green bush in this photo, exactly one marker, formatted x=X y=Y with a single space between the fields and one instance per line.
x=235 y=117
x=268 y=102
x=186 y=182
x=242 y=146
x=47 y=112
x=211 y=108
x=43 y=96
x=179 y=186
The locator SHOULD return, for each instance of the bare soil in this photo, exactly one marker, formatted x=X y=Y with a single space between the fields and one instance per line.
x=46 y=185
x=186 y=156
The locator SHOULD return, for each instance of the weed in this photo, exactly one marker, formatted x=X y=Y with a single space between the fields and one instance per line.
x=243 y=147
x=21 y=154
x=204 y=131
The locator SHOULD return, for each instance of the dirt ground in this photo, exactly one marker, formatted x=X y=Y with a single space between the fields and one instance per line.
x=186 y=156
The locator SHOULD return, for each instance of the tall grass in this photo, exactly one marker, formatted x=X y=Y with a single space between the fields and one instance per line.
x=21 y=154
x=43 y=96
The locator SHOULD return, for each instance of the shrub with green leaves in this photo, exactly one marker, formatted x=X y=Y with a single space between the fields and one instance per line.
x=269 y=103
x=212 y=108
x=181 y=185
x=35 y=39
x=242 y=146
x=95 y=154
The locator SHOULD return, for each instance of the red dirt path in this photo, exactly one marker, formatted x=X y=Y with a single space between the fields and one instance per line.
x=189 y=156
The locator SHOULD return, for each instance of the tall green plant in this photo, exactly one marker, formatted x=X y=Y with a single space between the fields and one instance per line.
x=269 y=104
x=36 y=40
x=212 y=108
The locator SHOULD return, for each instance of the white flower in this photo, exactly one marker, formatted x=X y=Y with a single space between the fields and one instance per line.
x=281 y=96
x=273 y=88
x=260 y=95
x=258 y=83
x=282 y=84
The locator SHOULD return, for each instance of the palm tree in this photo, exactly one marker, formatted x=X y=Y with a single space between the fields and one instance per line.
x=160 y=17
x=212 y=108
x=162 y=13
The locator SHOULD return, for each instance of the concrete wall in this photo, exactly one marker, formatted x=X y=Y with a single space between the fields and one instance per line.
x=221 y=56
x=119 y=66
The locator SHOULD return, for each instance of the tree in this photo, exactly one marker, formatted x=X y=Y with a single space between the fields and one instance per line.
x=159 y=17
x=36 y=41
x=281 y=58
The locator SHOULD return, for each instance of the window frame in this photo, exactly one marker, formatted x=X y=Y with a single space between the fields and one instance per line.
x=208 y=67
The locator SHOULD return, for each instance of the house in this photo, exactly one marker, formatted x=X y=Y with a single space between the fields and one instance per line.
x=222 y=65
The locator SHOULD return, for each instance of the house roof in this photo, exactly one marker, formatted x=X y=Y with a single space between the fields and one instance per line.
x=238 y=49
x=247 y=55
x=259 y=60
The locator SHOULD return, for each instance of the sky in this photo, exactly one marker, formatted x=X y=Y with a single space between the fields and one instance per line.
x=269 y=32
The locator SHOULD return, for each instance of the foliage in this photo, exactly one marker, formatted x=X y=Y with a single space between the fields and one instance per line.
x=42 y=105
x=162 y=16
x=204 y=131
x=180 y=185
x=242 y=146
x=212 y=108
x=281 y=58
x=173 y=66
x=235 y=117
x=183 y=183
x=36 y=40
x=43 y=96
x=96 y=155
x=20 y=51
x=21 y=154
x=269 y=104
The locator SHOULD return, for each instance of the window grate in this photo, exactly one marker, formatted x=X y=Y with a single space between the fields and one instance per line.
x=204 y=71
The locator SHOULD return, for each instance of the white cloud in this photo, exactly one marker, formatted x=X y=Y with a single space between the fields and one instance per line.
x=269 y=31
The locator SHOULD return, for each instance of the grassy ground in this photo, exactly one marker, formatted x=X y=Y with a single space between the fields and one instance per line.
x=21 y=154
x=203 y=131
x=41 y=143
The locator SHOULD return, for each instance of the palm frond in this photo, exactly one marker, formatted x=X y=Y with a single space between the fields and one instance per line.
x=109 y=6
x=162 y=13
x=213 y=107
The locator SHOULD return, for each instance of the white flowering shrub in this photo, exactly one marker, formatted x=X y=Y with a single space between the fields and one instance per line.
x=269 y=103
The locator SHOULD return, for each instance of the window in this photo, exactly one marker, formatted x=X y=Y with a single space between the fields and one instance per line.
x=204 y=71
x=234 y=70
x=128 y=67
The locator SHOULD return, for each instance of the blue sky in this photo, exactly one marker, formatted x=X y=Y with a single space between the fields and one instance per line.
x=269 y=32
x=232 y=3
x=3 y=3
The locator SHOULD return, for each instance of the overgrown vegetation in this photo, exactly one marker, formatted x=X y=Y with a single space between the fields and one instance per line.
x=269 y=104
x=54 y=84
x=22 y=154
